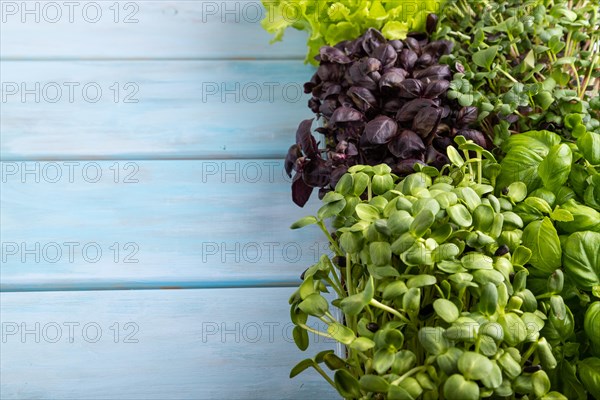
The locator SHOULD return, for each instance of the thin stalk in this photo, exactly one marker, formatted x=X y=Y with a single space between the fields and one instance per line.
x=576 y=78
x=409 y=373
x=336 y=278
x=338 y=289
x=377 y=304
x=479 y=168
x=528 y=353
x=316 y=331
x=466 y=153
x=335 y=246
x=324 y=375
x=331 y=317
x=586 y=81
x=349 y=287
x=509 y=76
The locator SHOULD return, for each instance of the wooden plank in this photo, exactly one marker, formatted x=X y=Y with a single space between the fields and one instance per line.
x=189 y=344
x=166 y=29
x=213 y=223
x=184 y=109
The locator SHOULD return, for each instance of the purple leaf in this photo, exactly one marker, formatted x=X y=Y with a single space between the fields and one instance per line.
x=380 y=130
x=426 y=121
x=466 y=116
x=436 y=88
x=300 y=191
x=408 y=59
x=411 y=88
x=407 y=145
x=334 y=55
x=290 y=159
x=434 y=72
x=316 y=173
x=362 y=98
x=305 y=139
x=345 y=114
x=409 y=110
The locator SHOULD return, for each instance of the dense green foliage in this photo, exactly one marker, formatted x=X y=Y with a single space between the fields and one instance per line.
x=527 y=65
x=436 y=296
x=480 y=279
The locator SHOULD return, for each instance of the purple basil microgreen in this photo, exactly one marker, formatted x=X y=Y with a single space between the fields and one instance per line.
x=378 y=101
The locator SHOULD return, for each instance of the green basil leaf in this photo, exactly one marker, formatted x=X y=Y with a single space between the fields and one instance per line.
x=555 y=168
x=589 y=373
x=582 y=259
x=589 y=145
x=542 y=239
x=584 y=218
x=520 y=164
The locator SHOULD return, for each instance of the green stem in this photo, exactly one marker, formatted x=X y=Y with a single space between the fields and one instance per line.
x=333 y=243
x=324 y=375
x=377 y=304
x=331 y=317
x=409 y=373
x=576 y=78
x=316 y=331
x=479 y=168
x=528 y=353
x=586 y=81
x=466 y=153
x=509 y=76
x=335 y=287
x=349 y=287
x=336 y=278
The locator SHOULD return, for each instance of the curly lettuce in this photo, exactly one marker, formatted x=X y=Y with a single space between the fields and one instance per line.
x=329 y=21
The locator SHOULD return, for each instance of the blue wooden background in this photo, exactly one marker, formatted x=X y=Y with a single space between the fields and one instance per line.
x=162 y=181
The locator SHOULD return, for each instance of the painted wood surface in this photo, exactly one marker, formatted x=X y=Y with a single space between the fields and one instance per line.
x=106 y=224
x=126 y=29
x=187 y=344
x=151 y=110
x=191 y=188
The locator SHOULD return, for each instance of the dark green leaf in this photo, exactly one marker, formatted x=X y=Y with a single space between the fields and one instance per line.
x=374 y=383
x=302 y=222
x=346 y=384
x=301 y=366
x=301 y=339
